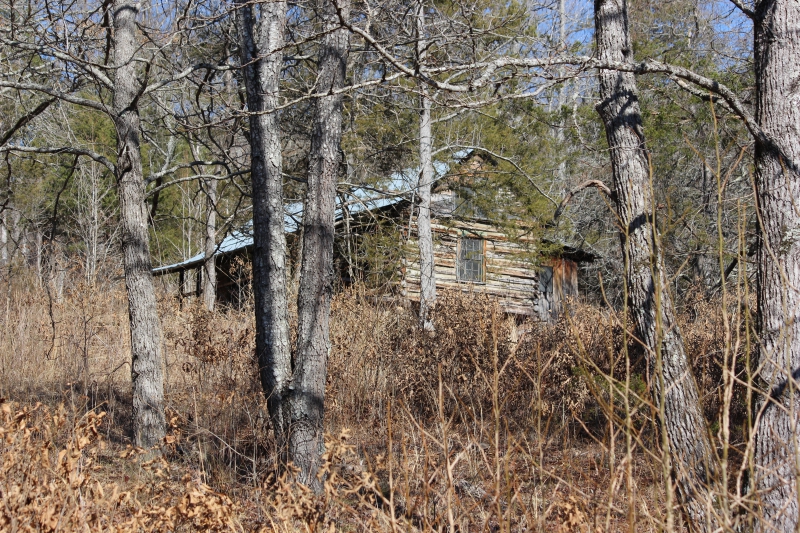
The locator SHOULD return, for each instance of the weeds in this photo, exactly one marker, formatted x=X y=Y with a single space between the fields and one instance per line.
x=491 y=424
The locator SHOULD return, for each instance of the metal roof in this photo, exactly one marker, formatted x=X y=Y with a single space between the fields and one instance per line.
x=400 y=186
x=238 y=240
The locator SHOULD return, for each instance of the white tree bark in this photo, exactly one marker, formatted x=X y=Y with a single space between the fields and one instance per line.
x=427 y=295
x=427 y=300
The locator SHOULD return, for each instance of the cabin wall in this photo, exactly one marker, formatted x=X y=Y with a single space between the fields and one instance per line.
x=514 y=282
x=521 y=288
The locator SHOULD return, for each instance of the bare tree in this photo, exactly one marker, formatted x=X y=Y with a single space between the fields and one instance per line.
x=675 y=391
x=91 y=218
x=148 y=383
x=112 y=75
x=427 y=295
x=777 y=54
x=307 y=393
x=262 y=57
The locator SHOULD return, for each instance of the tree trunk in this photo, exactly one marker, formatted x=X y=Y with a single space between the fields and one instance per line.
x=427 y=296
x=561 y=172
x=675 y=391
x=777 y=55
x=209 y=267
x=427 y=271
x=3 y=240
x=316 y=276
x=298 y=257
x=148 y=387
x=261 y=44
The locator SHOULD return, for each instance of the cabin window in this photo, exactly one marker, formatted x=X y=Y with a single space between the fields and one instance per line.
x=470 y=260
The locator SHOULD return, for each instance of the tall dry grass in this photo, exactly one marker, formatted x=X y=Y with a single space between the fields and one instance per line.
x=491 y=424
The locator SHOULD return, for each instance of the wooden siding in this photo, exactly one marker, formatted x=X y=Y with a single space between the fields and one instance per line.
x=514 y=282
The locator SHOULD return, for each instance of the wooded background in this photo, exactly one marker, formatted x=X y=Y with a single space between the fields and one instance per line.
x=139 y=134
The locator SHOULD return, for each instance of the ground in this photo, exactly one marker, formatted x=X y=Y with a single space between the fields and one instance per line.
x=470 y=429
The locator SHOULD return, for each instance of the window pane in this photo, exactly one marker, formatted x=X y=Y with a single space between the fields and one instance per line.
x=470 y=260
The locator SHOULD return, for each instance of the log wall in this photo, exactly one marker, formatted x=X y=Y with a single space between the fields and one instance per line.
x=506 y=276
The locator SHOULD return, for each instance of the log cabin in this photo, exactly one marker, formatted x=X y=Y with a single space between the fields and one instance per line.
x=528 y=276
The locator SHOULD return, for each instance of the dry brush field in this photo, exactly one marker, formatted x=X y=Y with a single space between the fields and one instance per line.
x=489 y=425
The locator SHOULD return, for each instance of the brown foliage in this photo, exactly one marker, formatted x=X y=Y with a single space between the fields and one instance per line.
x=491 y=423
x=45 y=486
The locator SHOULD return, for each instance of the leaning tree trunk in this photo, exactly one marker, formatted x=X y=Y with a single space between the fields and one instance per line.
x=307 y=399
x=427 y=295
x=675 y=391
x=777 y=56
x=149 y=424
x=210 y=246
x=261 y=48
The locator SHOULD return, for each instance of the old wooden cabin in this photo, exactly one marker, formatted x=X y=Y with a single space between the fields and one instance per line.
x=376 y=244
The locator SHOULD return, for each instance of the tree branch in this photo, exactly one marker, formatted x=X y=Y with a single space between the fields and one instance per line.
x=597 y=184
x=582 y=63
x=730 y=98
x=55 y=94
x=89 y=68
x=25 y=120
x=706 y=97
x=62 y=150
x=160 y=174
x=54 y=218
x=744 y=9
x=185 y=73
x=196 y=177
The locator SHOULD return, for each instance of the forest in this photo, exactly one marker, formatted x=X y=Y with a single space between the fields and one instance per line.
x=401 y=265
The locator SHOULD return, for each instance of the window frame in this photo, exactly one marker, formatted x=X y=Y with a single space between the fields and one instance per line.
x=460 y=259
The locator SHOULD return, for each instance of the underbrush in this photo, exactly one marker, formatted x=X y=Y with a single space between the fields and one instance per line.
x=490 y=424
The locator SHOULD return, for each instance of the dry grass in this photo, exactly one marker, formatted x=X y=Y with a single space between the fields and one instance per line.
x=489 y=425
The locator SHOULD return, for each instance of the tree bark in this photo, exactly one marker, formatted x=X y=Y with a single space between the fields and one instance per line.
x=427 y=298
x=298 y=257
x=427 y=293
x=262 y=57
x=149 y=424
x=675 y=391
x=777 y=56
x=210 y=246
x=3 y=240
x=307 y=397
